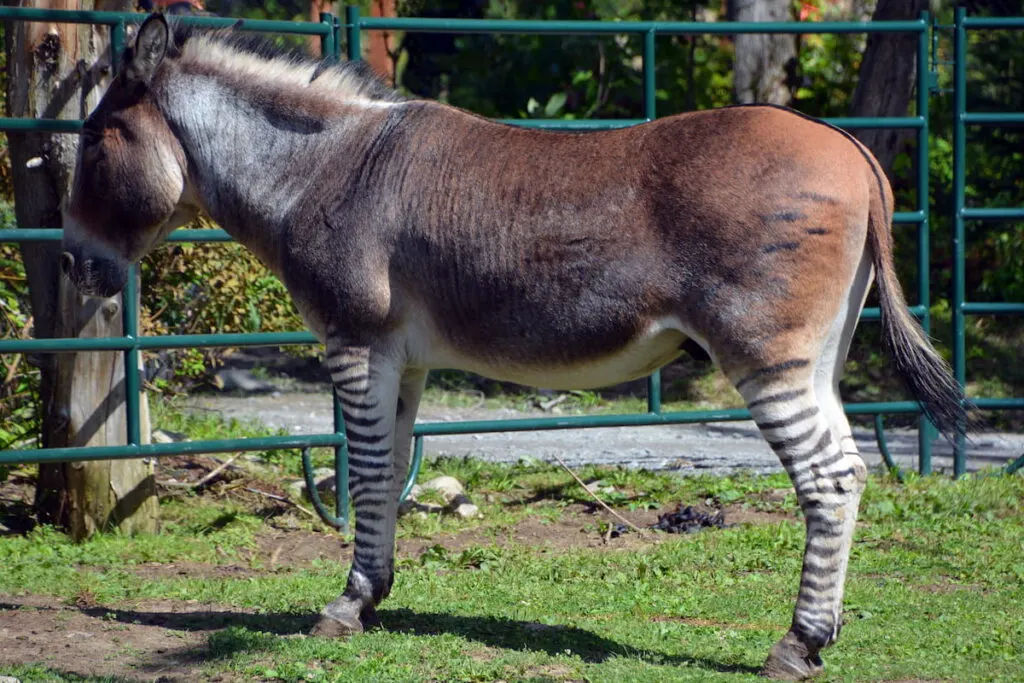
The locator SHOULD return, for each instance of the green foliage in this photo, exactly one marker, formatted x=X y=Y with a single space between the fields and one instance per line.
x=214 y=288
x=203 y=288
x=6 y=179
x=572 y=77
x=828 y=68
x=19 y=383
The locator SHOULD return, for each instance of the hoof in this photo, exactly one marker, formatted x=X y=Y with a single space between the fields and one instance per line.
x=338 y=622
x=791 y=660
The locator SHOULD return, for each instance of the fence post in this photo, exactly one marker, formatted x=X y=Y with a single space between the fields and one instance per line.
x=353 y=45
x=129 y=297
x=925 y=430
x=331 y=51
x=329 y=41
x=650 y=113
x=959 y=234
x=650 y=103
x=116 y=46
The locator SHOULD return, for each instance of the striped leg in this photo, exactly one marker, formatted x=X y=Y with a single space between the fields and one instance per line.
x=367 y=384
x=802 y=429
x=410 y=391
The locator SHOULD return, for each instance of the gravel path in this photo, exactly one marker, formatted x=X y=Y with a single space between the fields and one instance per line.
x=719 y=448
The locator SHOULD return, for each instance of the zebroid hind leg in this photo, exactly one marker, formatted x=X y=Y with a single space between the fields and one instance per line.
x=367 y=382
x=797 y=406
x=828 y=485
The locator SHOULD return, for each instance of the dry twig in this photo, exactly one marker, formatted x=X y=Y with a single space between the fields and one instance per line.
x=214 y=473
x=283 y=499
x=598 y=499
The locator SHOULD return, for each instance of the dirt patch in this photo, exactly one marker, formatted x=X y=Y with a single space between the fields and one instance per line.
x=744 y=514
x=711 y=623
x=149 y=640
x=552 y=672
x=575 y=527
x=195 y=570
x=279 y=551
x=942 y=588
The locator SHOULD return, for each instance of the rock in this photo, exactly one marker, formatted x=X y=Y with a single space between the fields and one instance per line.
x=321 y=474
x=324 y=478
x=468 y=511
x=448 y=487
x=451 y=490
x=297 y=489
x=9 y=679
x=167 y=436
x=596 y=487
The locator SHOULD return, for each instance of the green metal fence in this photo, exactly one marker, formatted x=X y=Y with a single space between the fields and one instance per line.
x=333 y=33
x=962 y=213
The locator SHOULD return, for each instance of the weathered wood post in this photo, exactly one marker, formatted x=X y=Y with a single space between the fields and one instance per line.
x=59 y=71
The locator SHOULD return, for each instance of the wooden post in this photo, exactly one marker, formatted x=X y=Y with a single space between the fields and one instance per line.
x=60 y=71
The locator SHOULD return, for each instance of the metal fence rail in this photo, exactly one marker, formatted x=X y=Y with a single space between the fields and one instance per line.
x=332 y=31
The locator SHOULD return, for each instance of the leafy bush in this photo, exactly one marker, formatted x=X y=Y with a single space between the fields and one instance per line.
x=211 y=287
x=19 y=382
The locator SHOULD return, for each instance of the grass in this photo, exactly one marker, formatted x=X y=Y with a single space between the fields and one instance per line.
x=936 y=587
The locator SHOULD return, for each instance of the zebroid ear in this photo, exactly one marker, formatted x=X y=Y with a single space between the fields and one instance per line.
x=150 y=48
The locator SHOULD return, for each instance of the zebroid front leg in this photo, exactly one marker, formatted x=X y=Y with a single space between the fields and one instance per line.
x=367 y=385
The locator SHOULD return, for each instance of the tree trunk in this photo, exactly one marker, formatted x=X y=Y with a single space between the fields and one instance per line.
x=60 y=71
x=763 y=64
x=888 y=74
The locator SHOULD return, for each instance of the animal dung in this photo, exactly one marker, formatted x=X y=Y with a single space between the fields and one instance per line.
x=688 y=520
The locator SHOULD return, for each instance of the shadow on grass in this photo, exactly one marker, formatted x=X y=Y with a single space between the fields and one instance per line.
x=552 y=639
x=208 y=620
x=253 y=633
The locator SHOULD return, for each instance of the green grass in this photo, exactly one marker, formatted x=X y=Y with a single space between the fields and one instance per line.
x=936 y=587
